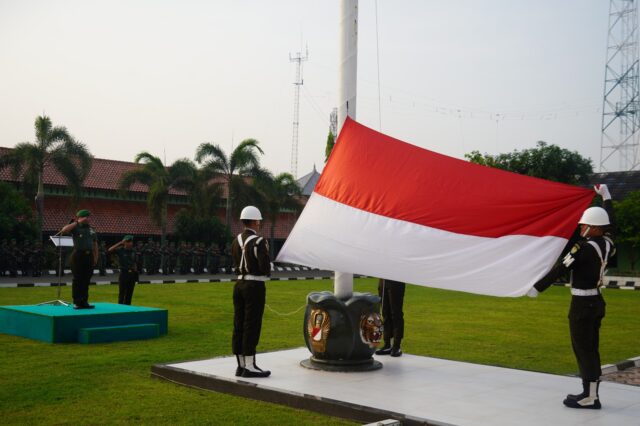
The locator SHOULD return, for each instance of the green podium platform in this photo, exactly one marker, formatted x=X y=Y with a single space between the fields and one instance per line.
x=108 y=322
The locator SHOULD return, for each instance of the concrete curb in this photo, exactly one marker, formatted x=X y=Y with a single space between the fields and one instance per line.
x=174 y=281
x=621 y=366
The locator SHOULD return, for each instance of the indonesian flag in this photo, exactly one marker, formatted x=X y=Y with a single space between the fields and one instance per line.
x=388 y=209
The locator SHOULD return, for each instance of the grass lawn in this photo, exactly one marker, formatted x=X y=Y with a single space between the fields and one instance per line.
x=43 y=383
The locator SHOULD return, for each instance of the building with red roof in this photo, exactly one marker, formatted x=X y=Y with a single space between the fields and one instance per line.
x=115 y=213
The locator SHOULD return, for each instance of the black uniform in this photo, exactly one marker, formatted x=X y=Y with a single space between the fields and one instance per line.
x=84 y=240
x=252 y=264
x=587 y=304
x=392 y=295
x=128 y=274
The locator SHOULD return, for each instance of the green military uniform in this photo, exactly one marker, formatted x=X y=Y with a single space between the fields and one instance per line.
x=128 y=273
x=4 y=253
x=12 y=258
x=102 y=259
x=139 y=256
x=37 y=256
x=84 y=239
x=213 y=260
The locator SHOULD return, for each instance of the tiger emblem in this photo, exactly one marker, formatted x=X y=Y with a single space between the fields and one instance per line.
x=371 y=329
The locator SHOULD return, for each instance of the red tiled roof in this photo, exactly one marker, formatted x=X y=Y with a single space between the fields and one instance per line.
x=129 y=217
x=104 y=175
x=107 y=216
x=122 y=216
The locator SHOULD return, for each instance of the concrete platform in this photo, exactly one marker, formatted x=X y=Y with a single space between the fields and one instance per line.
x=414 y=389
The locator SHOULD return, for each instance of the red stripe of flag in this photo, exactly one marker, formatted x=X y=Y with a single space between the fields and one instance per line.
x=385 y=176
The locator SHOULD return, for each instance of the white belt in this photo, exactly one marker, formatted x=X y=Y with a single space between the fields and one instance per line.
x=581 y=292
x=253 y=277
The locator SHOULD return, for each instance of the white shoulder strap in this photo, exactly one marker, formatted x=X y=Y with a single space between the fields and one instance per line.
x=243 y=258
x=603 y=259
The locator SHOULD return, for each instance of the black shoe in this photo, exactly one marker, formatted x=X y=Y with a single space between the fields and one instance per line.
x=578 y=403
x=251 y=373
x=575 y=397
x=386 y=350
x=396 y=352
x=239 y=371
x=85 y=306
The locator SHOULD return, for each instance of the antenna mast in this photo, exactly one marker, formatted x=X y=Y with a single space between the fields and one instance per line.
x=621 y=103
x=298 y=58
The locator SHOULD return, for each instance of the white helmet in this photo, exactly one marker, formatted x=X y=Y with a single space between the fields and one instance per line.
x=250 y=213
x=594 y=216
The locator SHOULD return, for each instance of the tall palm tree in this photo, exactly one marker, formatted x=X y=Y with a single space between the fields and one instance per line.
x=53 y=148
x=278 y=193
x=205 y=194
x=160 y=180
x=242 y=162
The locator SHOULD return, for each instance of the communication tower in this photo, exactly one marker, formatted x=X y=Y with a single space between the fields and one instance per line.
x=333 y=122
x=298 y=58
x=621 y=103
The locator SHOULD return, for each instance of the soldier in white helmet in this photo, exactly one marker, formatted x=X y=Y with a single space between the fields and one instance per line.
x=251 y=262
x=587 y=261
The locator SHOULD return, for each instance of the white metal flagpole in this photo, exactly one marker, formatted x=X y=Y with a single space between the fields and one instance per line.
x=343 y=281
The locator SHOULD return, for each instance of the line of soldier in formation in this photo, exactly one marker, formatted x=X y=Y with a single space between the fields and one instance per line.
x=32 y=258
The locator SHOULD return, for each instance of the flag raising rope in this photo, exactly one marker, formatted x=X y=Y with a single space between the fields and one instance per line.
x=385 y=208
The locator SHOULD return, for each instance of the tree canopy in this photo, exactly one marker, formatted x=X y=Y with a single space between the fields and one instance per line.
x=627 y=213
x=243 y=161
x=54 y=147
x=544 y=161
x=16 y=220
x=160 y=180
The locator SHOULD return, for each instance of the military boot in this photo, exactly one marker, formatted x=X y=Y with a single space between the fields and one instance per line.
x=587 y=399
x=240 y=369
x=385 y=350
x=251 y=369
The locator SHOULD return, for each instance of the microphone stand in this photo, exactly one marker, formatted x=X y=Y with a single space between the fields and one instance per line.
x=58 y=301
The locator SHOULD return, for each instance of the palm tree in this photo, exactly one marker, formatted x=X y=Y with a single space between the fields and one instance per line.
x=205 y=194
x=160 y=180
x=53 y=147
x=279 y=193
x=242 y=162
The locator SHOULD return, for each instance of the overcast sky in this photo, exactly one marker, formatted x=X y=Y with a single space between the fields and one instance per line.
x=166 y=75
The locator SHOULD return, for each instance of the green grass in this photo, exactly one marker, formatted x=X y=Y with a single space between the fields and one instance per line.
x=44 y=383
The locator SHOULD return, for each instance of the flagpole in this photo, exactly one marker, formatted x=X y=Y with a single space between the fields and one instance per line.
x=343 y=281
x=343 y=329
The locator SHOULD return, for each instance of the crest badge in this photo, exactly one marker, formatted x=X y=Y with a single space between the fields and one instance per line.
x=318 y=327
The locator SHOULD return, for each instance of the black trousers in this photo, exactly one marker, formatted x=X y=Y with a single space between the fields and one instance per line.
x=82 y=269
x=392 y=296
x=585 y=317
x=126 y=283
x=248 y=307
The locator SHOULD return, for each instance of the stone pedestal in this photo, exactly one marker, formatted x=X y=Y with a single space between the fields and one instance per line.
x=342 y=335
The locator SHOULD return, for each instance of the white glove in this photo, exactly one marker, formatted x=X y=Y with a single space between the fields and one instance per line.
x=603 y=191
x=533 y=292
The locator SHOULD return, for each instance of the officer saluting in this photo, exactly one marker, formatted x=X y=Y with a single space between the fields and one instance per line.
x=83 y=257
x=587 y=260
x=128 y=269
x=251 y=261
